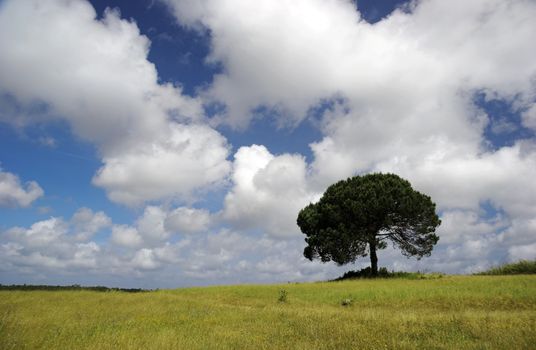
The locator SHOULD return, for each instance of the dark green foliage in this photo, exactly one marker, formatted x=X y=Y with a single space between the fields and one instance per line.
x=384 y=273
x=365 y=273
x=356 y=217
x=523 y=267
x=282 y=296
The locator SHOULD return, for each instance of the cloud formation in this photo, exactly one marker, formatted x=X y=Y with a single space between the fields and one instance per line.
x=268 y=191
x=407 y=94
x=59 y=61
x=183 y=159
x=15 y=194
x=188 y=220
x=134 y=255
x=401 y=95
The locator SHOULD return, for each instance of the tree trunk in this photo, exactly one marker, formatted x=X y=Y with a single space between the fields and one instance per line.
x=373 y=258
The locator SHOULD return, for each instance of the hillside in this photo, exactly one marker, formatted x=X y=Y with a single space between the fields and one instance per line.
x=453 y=312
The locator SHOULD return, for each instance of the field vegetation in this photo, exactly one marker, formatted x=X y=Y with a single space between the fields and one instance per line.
x=523 y=267
x=451 y=312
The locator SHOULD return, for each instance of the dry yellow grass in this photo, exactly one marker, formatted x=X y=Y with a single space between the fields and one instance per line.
x=454 y=312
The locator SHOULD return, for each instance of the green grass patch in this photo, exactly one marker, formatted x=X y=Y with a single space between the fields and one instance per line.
x=523 y=267
x=453 y=312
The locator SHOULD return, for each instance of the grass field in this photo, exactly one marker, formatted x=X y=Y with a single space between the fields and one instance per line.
x=452 y=312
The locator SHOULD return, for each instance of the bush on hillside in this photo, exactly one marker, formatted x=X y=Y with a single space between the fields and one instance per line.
x=522 y=267
x=384 y=273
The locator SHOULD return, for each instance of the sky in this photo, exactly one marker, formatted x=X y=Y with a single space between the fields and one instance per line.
x=172 y=143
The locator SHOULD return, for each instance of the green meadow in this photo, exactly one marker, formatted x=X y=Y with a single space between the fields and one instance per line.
x=448 y=312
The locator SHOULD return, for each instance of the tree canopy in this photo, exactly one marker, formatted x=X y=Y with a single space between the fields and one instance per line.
x=357 y=216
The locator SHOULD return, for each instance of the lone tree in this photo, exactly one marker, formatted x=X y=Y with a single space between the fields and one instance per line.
x=365 y=212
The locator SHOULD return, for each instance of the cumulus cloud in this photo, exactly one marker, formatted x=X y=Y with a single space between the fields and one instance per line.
x=81 y=227
x=158 y=225
x=397 y=96
x=50 y=249
x=15 y=194
x=47 y=245
x=502 y=177
x=41 y=233
x=55 y=246
x=406 y=83
x=145 y=259
x=87 y=223
x=188 y=220
x=315 y=49
x=151 y=224
x=458 y=226
x=185 y=159
x=526 y=252
x=293 y=42
x=127 y=236
x=59 y=61
x=268 y=191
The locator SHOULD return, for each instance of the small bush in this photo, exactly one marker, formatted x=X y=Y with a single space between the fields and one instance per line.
x=282 y=296
x=522 y=267
x=384 y=273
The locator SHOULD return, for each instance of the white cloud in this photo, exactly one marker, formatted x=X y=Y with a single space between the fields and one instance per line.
x=310 y=50
x=407 y=81
x=59 y=61
x=145 y=259
x=41 y=233
x=127 y=236
x=85 y=255
x=188 y=220
x=529 y=117
x=58 y=236
x=526 y=252
x=281 y=54
x=50 y=248
x=231 y=257
x=464 y=181
x=157 y=225
x=49 y=245
x=93 y=73
x=185 y=159
x=15 y=194
x=268 y=191
x=401 y=98
x=87 y=222
x=223 y=256
x=459 y=226
x=151 y=225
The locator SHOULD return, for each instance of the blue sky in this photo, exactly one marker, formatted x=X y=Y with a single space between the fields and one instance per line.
x=169 y=143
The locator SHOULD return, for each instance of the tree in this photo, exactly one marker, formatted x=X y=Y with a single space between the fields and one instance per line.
x=365 y=212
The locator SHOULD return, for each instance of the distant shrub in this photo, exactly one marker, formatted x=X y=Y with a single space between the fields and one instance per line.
x=384 y=273
x=282 y=296
x=522 y=267
x=366 y=273
x=29 y=287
